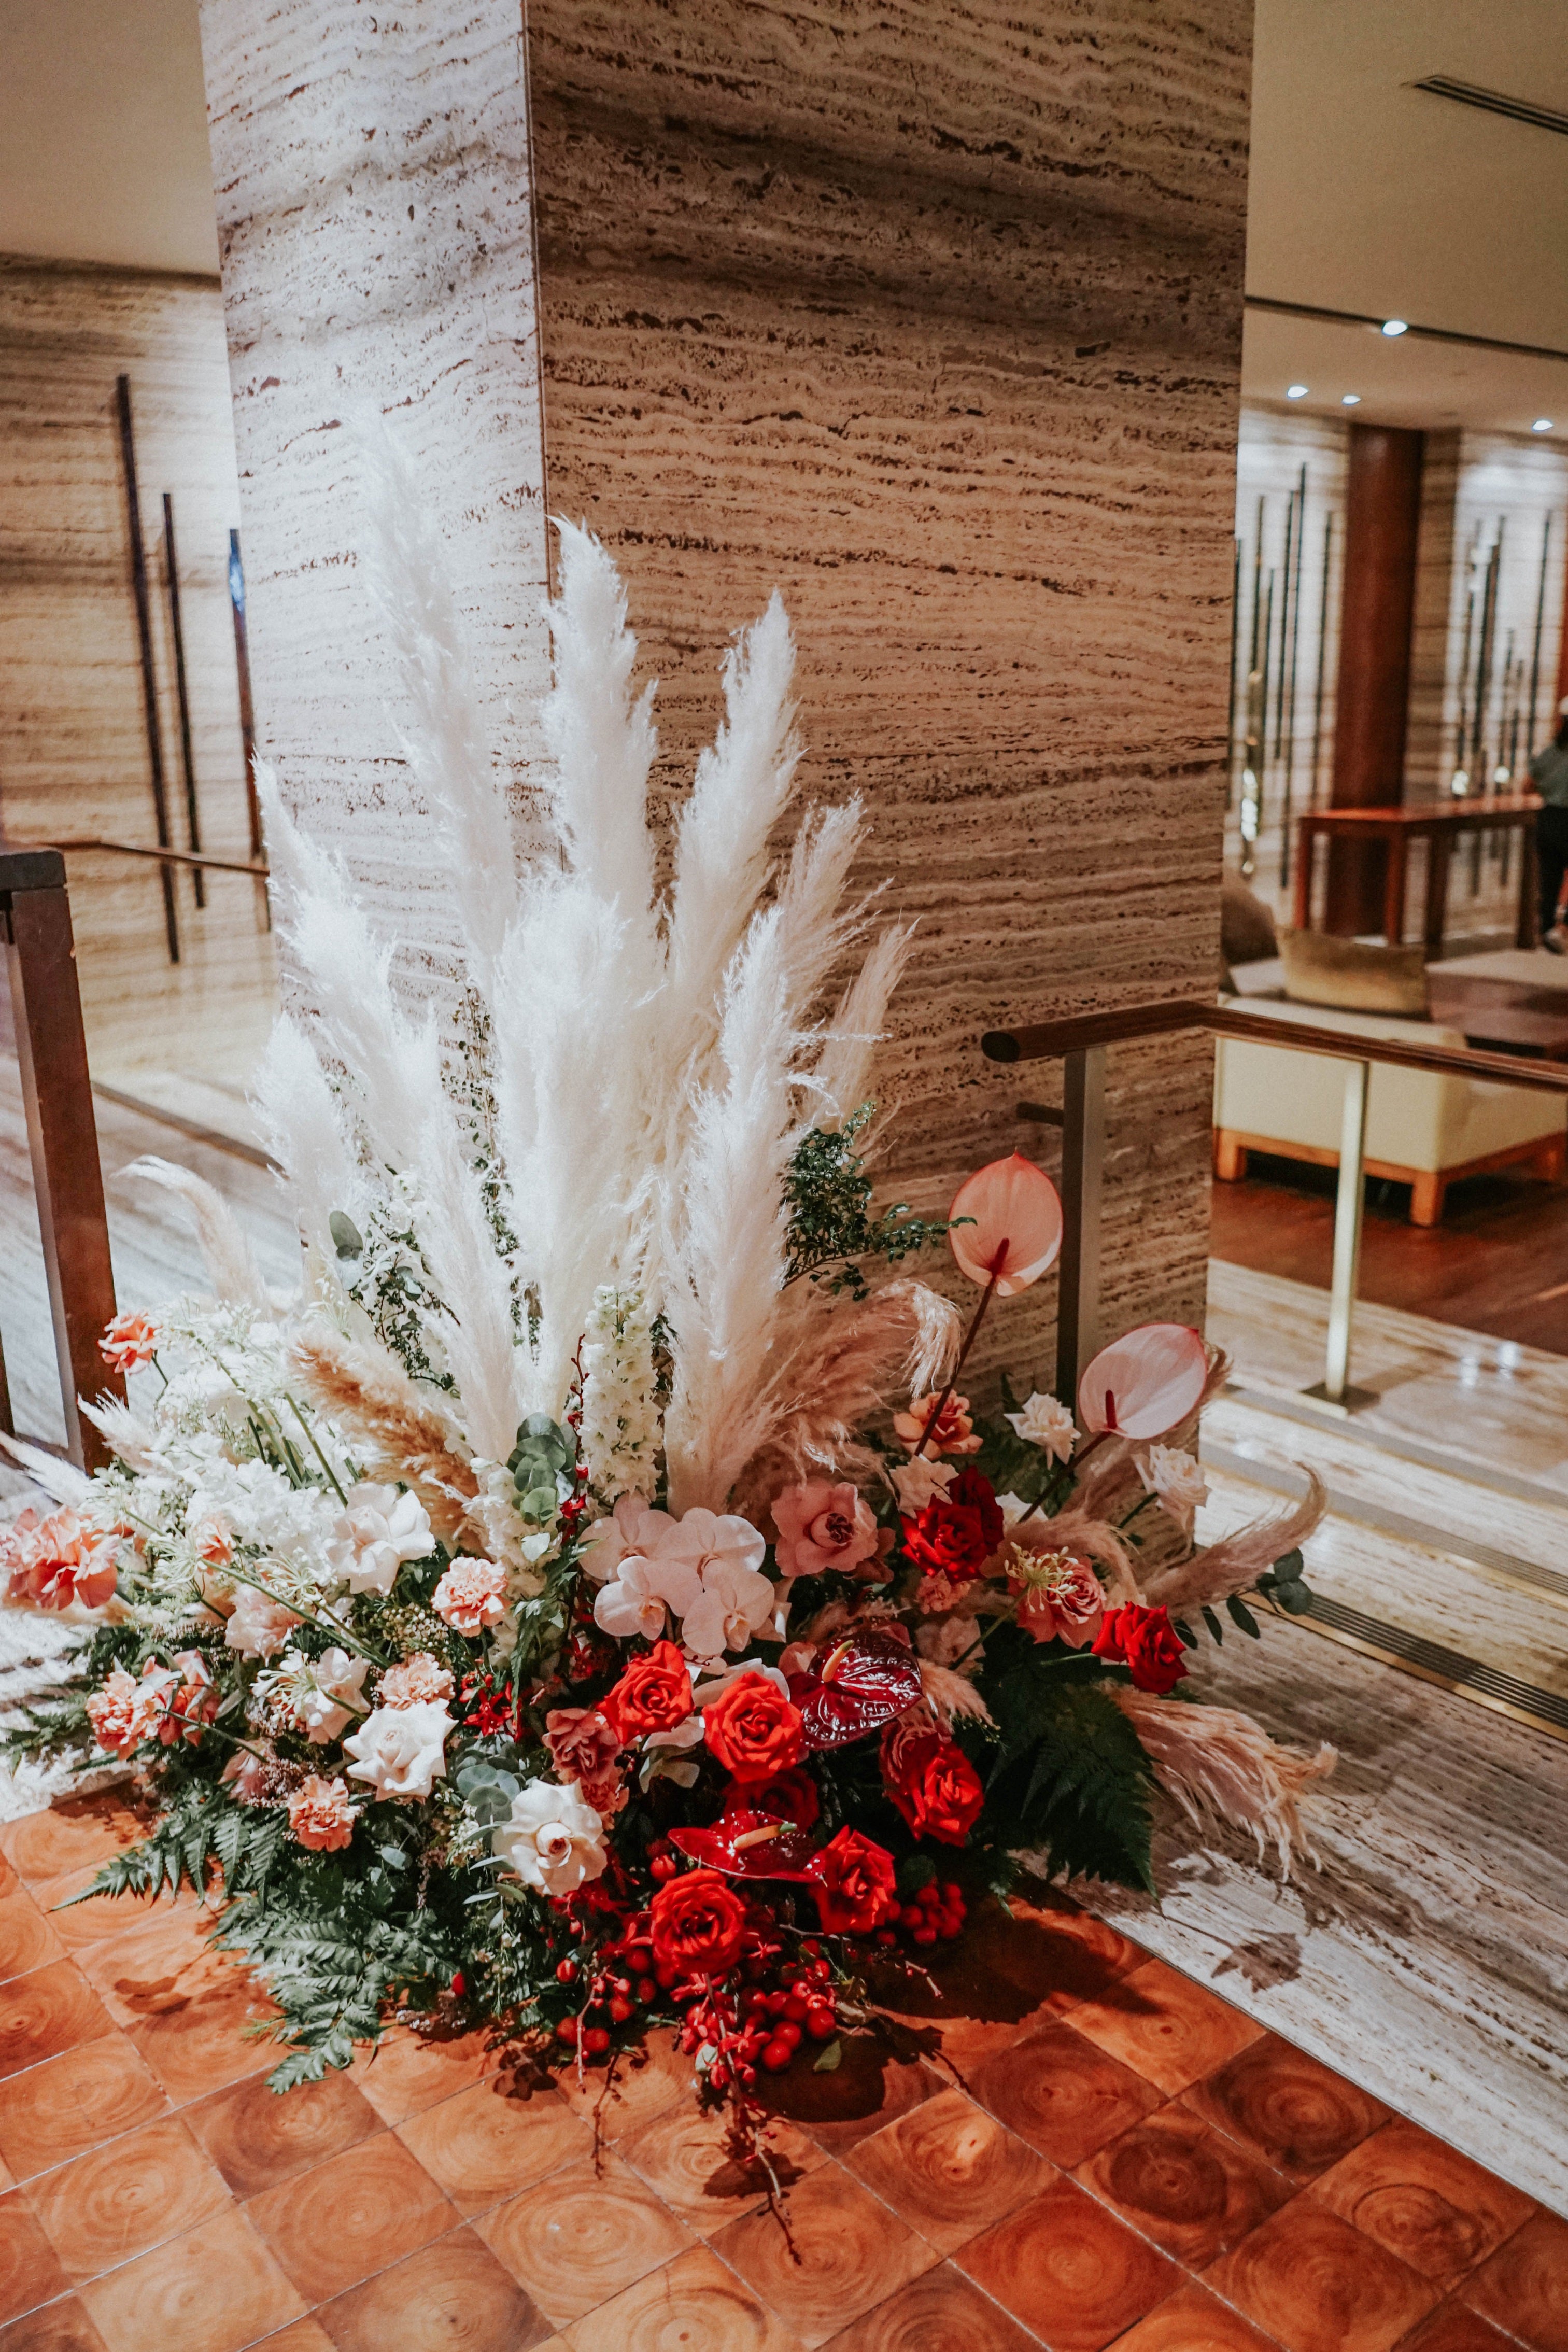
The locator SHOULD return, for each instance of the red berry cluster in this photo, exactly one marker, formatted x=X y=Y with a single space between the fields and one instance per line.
x=767 y=2024
x=935 y=1916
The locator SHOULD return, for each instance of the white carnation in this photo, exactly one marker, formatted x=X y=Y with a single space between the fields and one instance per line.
x=400 y=1751
x=553 y=1840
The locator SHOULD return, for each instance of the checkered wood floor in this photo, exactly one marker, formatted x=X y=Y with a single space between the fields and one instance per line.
x=1072 y=2146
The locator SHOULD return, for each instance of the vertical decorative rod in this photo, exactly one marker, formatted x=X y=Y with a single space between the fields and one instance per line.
x=1082 y=1175
x=149 y=678
x=1535 y=655
x=246 y=711
x=187 y=758
x=1347 y=1231
x=1322 y=660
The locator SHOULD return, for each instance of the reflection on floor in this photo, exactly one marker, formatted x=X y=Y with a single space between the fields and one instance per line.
x=1122 y=2159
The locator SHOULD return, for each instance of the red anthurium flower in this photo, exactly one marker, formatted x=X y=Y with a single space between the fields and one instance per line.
x=1017 y=1228
x=857 y=1687
x=1146 y=1383
x=745 y=1844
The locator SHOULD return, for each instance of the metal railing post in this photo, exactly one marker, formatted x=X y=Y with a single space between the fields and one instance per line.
x=1334 y=1388
x=1082 y=1174
x=62 y=1134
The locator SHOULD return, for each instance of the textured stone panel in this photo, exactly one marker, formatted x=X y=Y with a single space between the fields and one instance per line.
x=930 y=316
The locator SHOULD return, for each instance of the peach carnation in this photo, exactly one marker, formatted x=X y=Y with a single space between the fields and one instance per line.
x=954 y=1433
x=259 y=1625
x=320 y=1815
x=192 y=1702
x=470 y=1595
x=130 y=1342
x=418 y=1678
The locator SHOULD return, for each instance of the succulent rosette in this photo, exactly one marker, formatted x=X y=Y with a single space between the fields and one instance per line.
x=600 y=1597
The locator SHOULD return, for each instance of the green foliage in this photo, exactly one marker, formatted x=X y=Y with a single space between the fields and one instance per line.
x=831 y=1230
x=1286 y=1584
x=1071 y=1779
x=201 y=1826
x=540 y=1463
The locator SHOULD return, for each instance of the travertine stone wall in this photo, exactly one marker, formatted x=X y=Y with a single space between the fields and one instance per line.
x=74 y=761
x=929 y=314
x=372 y=186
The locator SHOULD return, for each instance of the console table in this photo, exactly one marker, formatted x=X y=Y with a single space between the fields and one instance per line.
x=1438 y=824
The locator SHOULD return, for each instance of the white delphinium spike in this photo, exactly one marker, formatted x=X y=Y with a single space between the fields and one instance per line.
x=442 y=725
x=620 y=1432
x=225 y=1252
x=303 y=1129
x=603 y=742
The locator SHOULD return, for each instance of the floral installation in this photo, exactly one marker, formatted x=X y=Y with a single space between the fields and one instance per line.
x=597 y=1598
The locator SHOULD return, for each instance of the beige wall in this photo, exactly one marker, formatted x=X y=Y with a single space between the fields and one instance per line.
x=74 y=760
x=930 y=315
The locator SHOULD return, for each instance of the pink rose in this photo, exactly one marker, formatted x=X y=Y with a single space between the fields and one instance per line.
x=130 y=1342
x=470 y=1596
x=118 y=1713
x=823 y=1526
x=418 y=1678
x=1059 y=1596
x=320 y=1815
x=583 y=1748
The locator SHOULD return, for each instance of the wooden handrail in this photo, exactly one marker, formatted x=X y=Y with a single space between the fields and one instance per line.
x=1045 y=1040
x=168 y=857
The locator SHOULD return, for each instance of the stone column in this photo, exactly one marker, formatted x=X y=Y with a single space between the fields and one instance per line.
x=375 y=229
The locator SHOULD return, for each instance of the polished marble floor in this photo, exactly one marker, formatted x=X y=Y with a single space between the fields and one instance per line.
x=1069 y=2145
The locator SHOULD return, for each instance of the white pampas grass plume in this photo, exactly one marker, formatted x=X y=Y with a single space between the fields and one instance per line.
x=441 y=723
x=130 y=1438
x=841 y=1075
x=225 y=1252
x=396 y=1430
x=1219 y=1764
x=59 y=1479
x=303 y=1129
x=603 y=742
x=1238 y=1560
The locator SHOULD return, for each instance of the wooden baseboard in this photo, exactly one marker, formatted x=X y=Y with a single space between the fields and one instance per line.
x=1546 y=1157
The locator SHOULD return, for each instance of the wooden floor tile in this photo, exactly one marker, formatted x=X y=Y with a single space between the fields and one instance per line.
x=643 y=2083
x=184 y=2002
x=26 y=1938
x=1067 y=2268
x=941 y=2311
x=52 y=2008
x=353 y=2215
x=695 y=2303
x=30 y=2269
x=949 y=2169
x=1423 y=2201
x=853 y=2253
x=1193 y=2320
x=63 y=2327
x=683 y=2156
x=93 y=1920
x=1164 y=2026
x=1524 y=2286
x=404 y=2073
x=1289 y=2110
x=579 y=2237
x=258 y=2138
x=212 y=2291
x=493 y=2138
x=116 y=2201
x=300 y=2335
x=1061 y=2094
x=1452 y=2328
x=1185 y=2185
x=68 y=1834
x=1318 y=2286
x=453 y=2291
x=871 y=2088
x=1006 y=1975
x=60 y=2109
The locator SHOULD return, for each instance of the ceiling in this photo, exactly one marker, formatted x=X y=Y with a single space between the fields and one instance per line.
x=1370 y=196
x=1366 y=196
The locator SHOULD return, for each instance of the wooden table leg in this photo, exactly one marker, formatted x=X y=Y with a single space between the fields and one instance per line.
x=1394 y=873
x=62 y=1134
x=1439 y=849
x=1525 y=934
x=1302 y=909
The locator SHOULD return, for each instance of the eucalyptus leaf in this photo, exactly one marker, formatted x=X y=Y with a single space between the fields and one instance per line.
x=830 y=2059
x=1212 y=1624
x=1239 y=1614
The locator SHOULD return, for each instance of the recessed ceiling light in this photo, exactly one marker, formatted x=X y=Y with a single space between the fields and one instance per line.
x=1295 y=391
x=1542 y=425
x=1396 y=326
x=1350 y=400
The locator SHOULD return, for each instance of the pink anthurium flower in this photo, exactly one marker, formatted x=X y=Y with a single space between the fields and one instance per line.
x=1017 y=1228
x=1146 y=1383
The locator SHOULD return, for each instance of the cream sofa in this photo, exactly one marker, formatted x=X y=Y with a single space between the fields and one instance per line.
x=1423 y=1129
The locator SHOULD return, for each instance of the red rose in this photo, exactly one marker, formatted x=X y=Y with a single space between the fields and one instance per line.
x=787 y=1797
x=852 y=1881
x=697 y=1924
x=1144 y=1641
x=655 y=1694
x=754 y=1729
x=971 y=1490
x=932 y=1783
x=947 y=1539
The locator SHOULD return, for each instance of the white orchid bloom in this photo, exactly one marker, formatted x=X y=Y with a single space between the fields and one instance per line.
x=638 y=1597
x=378 y=1529
x=735 y=1604
x=632 y=1526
